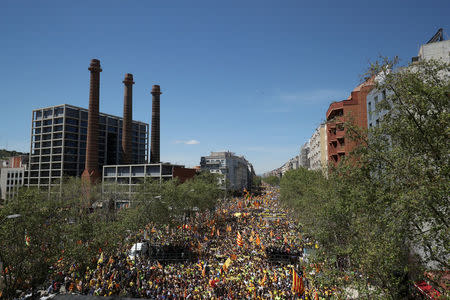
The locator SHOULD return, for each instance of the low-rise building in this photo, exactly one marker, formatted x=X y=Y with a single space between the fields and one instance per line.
x=11 y=179
x=129 y=177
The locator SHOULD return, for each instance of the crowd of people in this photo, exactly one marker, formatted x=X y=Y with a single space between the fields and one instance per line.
x=231 y=248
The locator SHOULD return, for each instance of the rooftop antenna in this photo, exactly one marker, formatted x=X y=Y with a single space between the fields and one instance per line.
x=437 y=37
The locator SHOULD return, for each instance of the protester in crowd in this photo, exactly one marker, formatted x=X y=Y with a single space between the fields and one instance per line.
x=245 y=249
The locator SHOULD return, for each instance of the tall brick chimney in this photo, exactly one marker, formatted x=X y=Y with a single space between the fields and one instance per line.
x=91 y=173
x=154 y=143
x=127 y=150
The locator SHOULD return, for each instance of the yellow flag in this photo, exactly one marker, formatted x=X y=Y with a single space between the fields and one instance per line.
x=100 y=260
x=227 y=264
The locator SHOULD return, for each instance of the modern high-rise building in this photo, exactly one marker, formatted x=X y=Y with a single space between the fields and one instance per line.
x=58 y=143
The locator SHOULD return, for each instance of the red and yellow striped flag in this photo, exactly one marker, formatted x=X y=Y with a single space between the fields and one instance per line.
x=239 y=239
x=257 y=240
x=297 y=283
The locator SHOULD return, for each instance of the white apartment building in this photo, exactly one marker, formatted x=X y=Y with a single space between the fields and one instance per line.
x=434 y=49
x=303 y=157
x=236 y=170
x=11 y=179
x=318 y=154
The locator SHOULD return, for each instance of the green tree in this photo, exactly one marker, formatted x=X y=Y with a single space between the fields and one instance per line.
x=272 y=180
x=382 y=215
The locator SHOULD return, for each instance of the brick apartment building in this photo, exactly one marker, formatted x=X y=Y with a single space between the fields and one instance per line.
x=353 y=109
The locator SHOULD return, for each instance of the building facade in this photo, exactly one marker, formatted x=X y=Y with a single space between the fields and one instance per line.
x=354 y=110
x=374 y=113
x=434 y=49
x=236 y=170
x=58 y=143
x=318 y=156
x=11 y=179
x=439 y=50
x=304 y=155
x=129 y=177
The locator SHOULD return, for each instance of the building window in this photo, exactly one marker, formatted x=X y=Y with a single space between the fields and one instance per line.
x=71 y=112
x=59 y=111
x=71 y=121
x=38 y=114
x=71 y=129
x=48 y=113
x=72 y=136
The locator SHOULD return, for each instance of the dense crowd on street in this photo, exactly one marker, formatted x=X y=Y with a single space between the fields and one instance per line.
x=229 y=258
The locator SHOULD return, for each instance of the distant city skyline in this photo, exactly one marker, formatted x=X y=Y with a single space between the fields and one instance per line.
x=254 y=78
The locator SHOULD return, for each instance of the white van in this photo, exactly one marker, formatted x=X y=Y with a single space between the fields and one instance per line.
x=138 y=249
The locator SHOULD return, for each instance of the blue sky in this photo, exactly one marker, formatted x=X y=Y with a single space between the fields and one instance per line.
x=252 y=77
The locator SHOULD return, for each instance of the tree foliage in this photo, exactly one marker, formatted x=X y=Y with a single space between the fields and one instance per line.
x=65 y=227
x=272 y=180
x=8 y=153
x=382 y=216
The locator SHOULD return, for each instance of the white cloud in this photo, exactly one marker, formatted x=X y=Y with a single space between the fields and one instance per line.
x=190 y=142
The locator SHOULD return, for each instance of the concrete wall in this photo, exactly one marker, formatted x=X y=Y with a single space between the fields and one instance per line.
x=436 y=50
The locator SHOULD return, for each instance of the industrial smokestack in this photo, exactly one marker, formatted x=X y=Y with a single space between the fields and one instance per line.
x=91 y=173
x=154 y=143
x=127 y=152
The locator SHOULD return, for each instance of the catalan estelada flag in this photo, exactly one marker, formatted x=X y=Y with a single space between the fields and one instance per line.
x=297 y=283
x=239 y=239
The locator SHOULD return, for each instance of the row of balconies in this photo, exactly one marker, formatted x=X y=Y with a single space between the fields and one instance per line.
x=336 y=149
